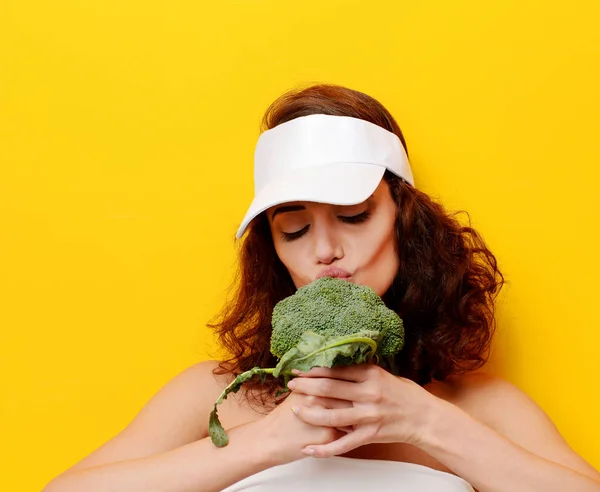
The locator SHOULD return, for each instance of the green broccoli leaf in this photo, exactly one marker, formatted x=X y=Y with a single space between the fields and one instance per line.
x=217 y=433
x=316 y=350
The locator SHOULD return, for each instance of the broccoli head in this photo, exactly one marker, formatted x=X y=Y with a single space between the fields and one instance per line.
x=334 y=307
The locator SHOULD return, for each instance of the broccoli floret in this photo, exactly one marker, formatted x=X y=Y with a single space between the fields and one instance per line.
x=326 y=323
x=330 y=306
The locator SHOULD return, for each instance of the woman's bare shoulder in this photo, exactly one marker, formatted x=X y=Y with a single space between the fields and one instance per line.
x=191 y=392
x=206 y=380
x=186 y=396
x=177 y=414
x=483 y=395
x=206 y=372
x=494 y=401
x=467 y=386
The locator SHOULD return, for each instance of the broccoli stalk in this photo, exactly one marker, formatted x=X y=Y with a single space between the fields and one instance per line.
x=215 y=428
x=314 y=327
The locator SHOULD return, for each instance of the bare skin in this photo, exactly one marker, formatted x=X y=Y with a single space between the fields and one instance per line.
x=476 y=426
x=173 y=428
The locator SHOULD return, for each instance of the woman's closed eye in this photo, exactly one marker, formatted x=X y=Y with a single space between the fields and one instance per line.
x=290 y=236
x=354 y=219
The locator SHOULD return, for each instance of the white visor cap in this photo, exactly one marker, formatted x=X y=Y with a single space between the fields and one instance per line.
x=323 y=158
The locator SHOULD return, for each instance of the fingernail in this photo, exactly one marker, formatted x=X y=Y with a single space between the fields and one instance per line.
x=309 y=451
x=297 y=372
x=292 y=385
x=295 y=410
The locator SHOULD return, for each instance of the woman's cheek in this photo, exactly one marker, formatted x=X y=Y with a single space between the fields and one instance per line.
x=292 y=262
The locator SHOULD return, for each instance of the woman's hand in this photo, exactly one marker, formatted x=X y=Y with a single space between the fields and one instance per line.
x=385 y=408
x=283 y=436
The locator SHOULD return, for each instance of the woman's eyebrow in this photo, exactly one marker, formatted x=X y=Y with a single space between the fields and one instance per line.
x=296 y=208
x=287 y=208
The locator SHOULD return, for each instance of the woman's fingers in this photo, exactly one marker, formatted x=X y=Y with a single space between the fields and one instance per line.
x=356 y=373
x=339 y=418
x=326 y=388
x=340 y=446
x=314 y=402
x=323 y=402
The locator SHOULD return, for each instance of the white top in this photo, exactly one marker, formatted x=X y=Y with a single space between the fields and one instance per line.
x=351 y=474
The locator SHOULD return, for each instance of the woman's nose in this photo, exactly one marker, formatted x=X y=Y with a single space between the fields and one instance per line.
x=328 y=247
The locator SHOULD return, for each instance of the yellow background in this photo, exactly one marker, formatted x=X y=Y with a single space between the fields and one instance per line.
x=126 y=143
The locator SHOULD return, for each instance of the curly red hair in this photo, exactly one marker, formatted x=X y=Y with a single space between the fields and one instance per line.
x=444 y=289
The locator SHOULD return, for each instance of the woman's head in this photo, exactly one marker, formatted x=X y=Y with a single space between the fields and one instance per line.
x=438 y=275
x=356 y=242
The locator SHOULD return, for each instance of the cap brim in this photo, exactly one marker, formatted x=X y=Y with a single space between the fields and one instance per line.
x=344 y=183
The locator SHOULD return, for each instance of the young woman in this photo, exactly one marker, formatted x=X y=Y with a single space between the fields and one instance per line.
x=335 y=196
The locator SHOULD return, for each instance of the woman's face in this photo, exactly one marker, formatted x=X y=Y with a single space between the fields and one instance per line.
x=356 y=241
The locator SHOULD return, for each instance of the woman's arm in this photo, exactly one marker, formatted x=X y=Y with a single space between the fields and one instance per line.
x=166 y=448
x=485 y=430
x=493 y=463
x=195 y=466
